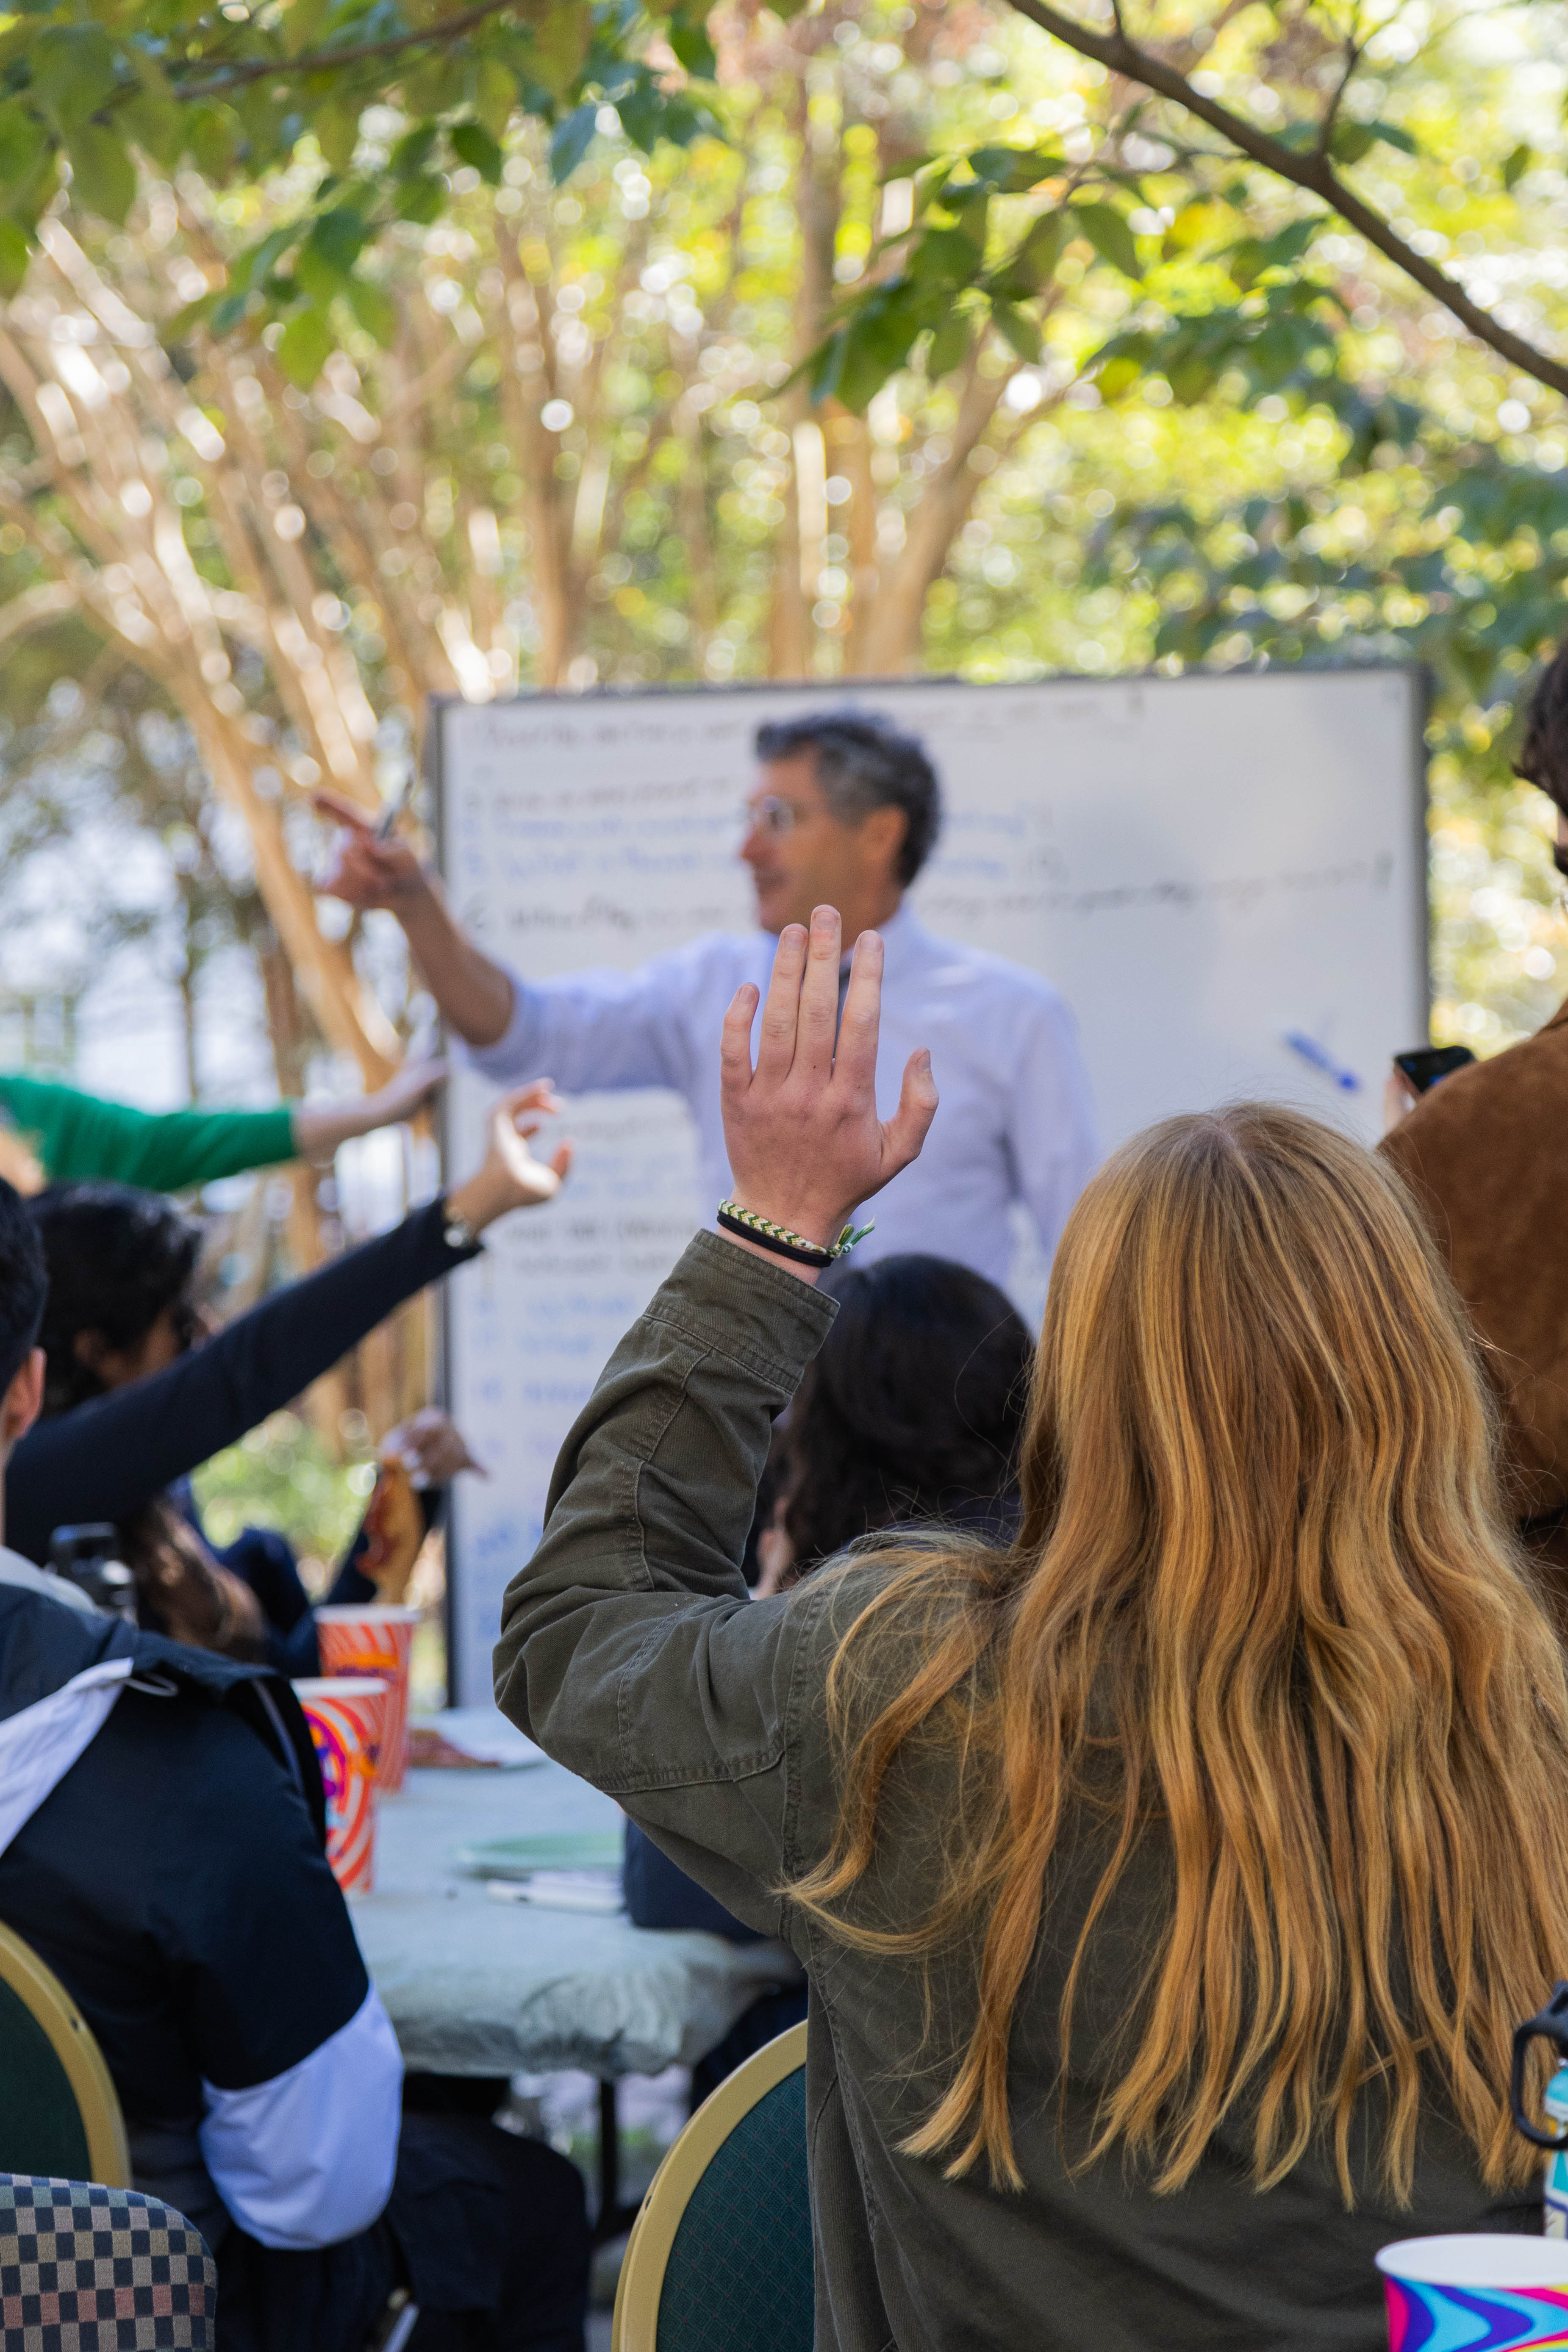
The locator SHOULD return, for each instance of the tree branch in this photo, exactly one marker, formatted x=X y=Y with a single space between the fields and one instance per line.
x=326 y=60
x=1313 y=173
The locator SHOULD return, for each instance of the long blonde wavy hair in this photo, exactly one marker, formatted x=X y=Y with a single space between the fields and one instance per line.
x=1264 y=1606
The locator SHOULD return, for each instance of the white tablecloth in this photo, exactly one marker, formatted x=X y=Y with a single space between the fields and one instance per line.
x=477 y=1987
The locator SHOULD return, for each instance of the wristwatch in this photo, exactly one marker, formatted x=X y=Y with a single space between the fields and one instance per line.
x=457 y=1234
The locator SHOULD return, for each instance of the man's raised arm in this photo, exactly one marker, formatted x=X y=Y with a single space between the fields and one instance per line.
x=474 y=995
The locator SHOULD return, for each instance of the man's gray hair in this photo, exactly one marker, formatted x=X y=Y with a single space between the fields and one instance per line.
x=865 y=762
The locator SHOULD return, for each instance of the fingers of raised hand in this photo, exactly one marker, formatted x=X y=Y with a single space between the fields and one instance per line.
x=735 y=1041
x=904 y=1133
x=819 y=991
x=858 y=1030
x=781 y=1013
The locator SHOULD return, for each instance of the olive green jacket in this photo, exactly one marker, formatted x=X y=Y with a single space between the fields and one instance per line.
x=631 y=1652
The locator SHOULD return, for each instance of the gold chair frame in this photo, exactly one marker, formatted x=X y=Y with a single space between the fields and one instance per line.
x=635 y=2328
x=81 y=2060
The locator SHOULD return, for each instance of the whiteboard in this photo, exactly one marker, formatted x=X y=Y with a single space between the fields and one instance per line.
x=1205 y=866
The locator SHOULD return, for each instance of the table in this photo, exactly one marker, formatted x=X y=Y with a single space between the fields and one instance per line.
x=476 y=1986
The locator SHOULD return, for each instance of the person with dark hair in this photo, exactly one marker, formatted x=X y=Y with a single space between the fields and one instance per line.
x=845 y=812
x=912 y=1412
x=124 y=1302
x=52 y=1133
x=162 y=1849
x=162 y=1406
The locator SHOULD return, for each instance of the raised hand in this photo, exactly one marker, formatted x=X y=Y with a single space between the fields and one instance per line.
x=511 y=1176
x=805 y=1144
x=363 y=869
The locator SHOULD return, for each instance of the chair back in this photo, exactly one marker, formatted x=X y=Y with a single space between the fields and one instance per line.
x=60 y=2117
x=84 y=2264
x=720 y=2255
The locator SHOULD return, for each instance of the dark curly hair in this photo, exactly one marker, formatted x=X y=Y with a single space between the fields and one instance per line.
x=117 y=1259
x=913 y=1410
x=864 y=762
x=1543 y=757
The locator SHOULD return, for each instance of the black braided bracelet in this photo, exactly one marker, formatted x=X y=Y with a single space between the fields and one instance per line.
x=748 y=1226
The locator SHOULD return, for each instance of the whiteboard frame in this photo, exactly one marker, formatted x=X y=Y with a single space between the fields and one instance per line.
x=830 y=690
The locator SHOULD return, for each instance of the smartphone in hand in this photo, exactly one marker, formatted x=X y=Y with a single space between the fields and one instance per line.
x=1422 y=1069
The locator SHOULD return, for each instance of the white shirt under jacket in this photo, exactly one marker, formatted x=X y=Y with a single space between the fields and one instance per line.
x=1017 y=1121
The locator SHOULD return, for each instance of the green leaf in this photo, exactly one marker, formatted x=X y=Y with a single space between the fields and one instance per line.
x=1029 y=266
x=306 y=346
x=1107 y=232
x=472 y=144
x=422 y=199
x=944 y=257
x=375 y=310
x=1515 y=164
x=1352 y=140
x=495 y=95
x=1014 y=171
x=336 y=126
x=214 y=136
x=1018 y=328
x=409 y=156
x=302 y=23
x=73 y=72
x=693 y=47
x=339 y=238
x=949 y=346
x=16 y=252
x=156 y=124
x=561 y=42
x=21 y=148
x=104 y=176
x=572 y=140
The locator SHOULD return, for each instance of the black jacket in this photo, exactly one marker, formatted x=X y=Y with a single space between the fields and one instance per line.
x=174 y=1878
x=104 y=1459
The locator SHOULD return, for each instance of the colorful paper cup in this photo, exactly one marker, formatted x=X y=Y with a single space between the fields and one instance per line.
x=374 y=1640
x=347 y=1715
x=1476 y=2293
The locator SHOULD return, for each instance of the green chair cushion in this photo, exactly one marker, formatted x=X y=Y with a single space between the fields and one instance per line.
x=739 y=2277
x=41 y=2130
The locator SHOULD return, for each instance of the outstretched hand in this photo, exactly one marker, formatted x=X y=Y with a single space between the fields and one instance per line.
x=804 y=1142
x=363 y=869
x=511 y=1176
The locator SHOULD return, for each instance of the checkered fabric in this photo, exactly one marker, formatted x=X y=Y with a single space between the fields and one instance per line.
x=88 y=2269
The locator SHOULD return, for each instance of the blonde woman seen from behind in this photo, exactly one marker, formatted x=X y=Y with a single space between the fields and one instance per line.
x=1167 y=1882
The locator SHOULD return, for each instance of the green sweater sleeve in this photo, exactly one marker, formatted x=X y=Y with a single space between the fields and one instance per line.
x=76 y=1135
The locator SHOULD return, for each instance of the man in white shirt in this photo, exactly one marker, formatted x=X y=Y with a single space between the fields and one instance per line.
x=844 y=813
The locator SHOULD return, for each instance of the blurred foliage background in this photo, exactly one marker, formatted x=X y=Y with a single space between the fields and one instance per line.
x=568 y=447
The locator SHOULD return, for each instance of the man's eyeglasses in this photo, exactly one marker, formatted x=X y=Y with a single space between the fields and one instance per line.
x=767 y=814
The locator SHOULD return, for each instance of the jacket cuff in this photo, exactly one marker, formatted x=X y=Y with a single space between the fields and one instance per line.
x=735 y=1303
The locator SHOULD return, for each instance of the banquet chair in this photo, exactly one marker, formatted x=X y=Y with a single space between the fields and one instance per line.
x=60 y=2117
x=93 y=2266
x=721 y=2253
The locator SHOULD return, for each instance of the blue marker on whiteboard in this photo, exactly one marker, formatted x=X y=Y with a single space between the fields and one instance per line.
x=1321 y=1059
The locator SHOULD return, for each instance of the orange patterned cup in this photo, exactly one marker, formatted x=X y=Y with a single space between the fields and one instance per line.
x=374 y=1640
x=347 y=1715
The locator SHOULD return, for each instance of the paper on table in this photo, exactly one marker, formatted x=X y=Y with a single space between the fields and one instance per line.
x=561 y=1890
x=483 y=1734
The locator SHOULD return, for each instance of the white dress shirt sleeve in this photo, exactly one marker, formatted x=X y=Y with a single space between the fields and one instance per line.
x=1052 y=1129
x=597 y=1028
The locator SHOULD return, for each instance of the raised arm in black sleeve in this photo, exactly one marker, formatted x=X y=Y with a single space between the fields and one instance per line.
x=104 y=1460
